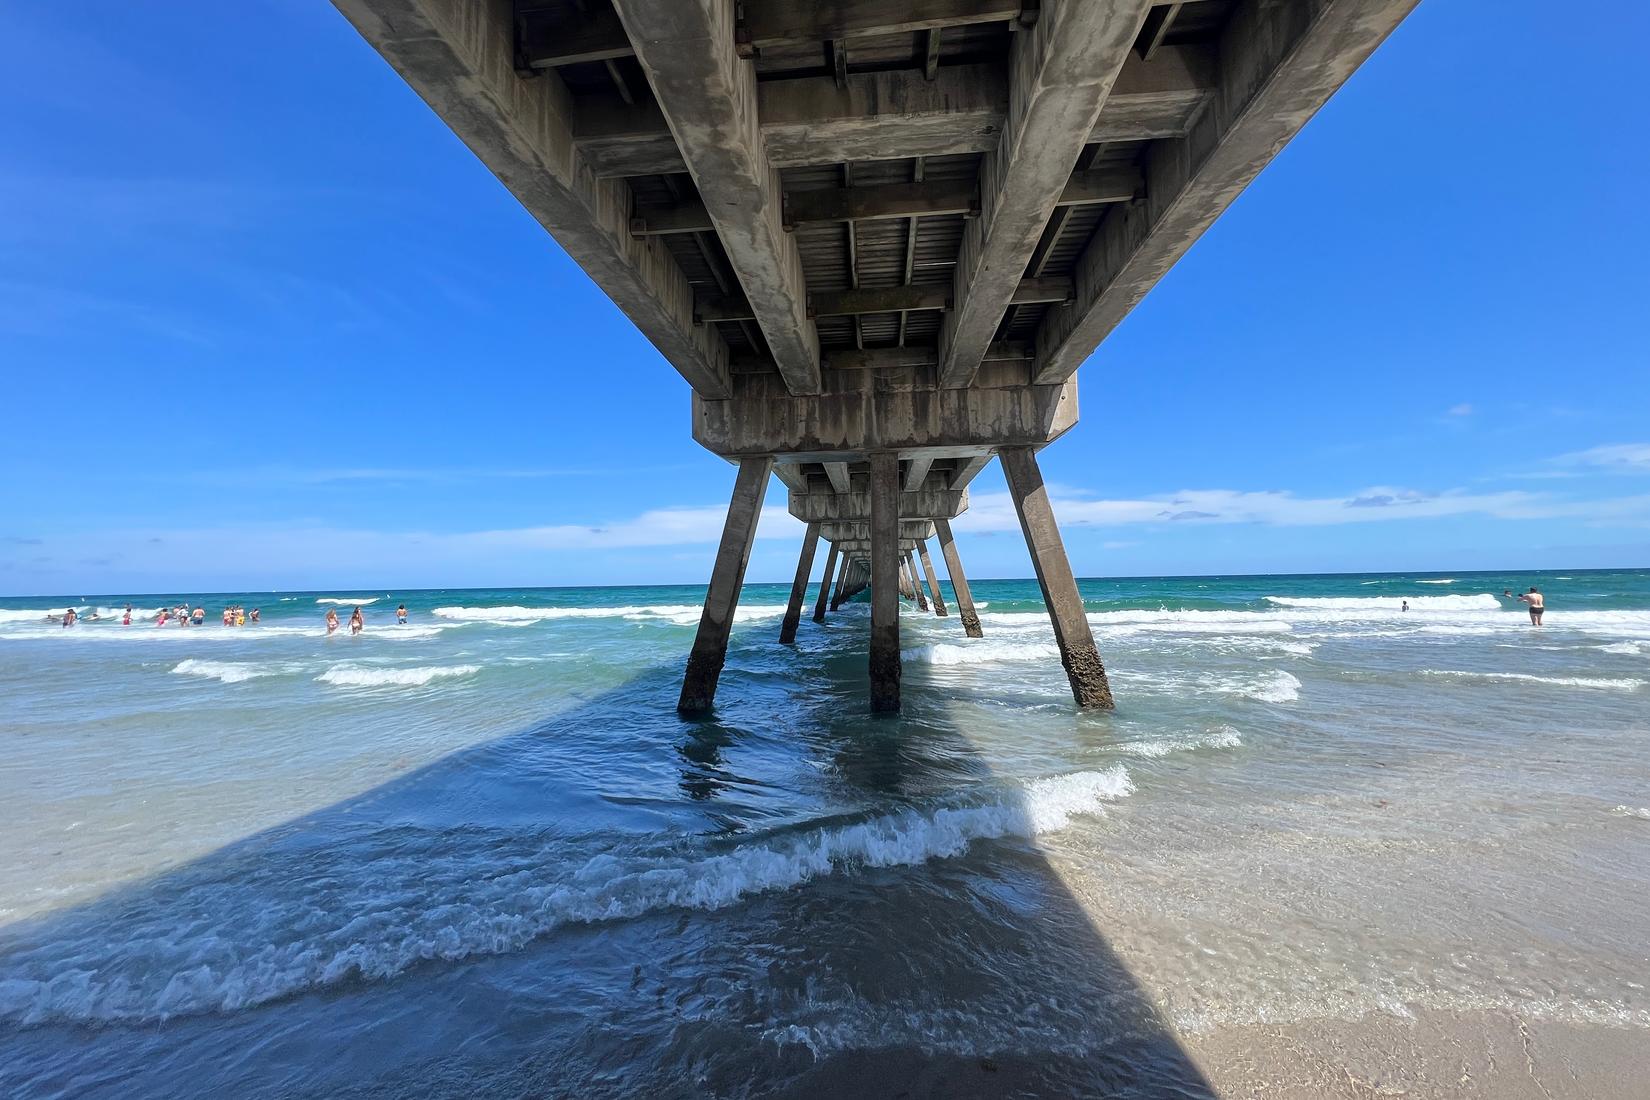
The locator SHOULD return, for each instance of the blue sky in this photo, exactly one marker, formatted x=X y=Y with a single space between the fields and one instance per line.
x=265 y=323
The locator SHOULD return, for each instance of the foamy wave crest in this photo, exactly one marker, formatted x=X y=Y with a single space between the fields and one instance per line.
x=981 y=653
x=1640 y=812
x=33 y=615
x=1627 y=649
x=1182 y=621
x=1224 y=737
x=1529 y=678
x=362 y=676
x=349 y=601
x=1276 y=686
x=1445 y=580
x=1482 y=601
x=228 y=672
x=251 y=944
x=676 y=614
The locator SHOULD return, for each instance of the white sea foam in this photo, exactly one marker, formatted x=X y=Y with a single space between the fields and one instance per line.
x=1640 y=812
x=33 y=614
x=1276 y=686
x=1445 y=580
x=349 y=601
x=1224 y=737
x=1529 y=678
x=367 y=676
x=1628 y=649
x=228 y=672
x=1482 y=601
x=676 y=614
x=248 y=948
x=983 y=652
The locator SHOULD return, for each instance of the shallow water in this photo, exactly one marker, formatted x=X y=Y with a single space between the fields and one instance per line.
x=481 y=853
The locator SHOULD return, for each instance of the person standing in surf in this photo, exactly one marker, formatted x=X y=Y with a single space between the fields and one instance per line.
x=69 y=618
x=356 y=622
x=401 y=615
x=1537 y=602
x=332 y=621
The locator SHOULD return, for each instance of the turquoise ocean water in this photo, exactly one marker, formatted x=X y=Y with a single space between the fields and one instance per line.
x=480 y=854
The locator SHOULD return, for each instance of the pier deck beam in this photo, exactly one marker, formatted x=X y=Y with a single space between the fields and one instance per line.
x=885 y=554
x=710 y=646
x=799 y=586
x=933 y=581
x=1054 y=577
x=825 y=585
x=959 y=581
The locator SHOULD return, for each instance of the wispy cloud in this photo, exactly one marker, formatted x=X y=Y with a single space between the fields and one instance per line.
x=1617 y=458
x=995 y=511
x=1463 y=409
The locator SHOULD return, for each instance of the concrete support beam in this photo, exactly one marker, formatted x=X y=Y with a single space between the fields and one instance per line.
x=967 y=471
x=825 y=584
x=1002 y=351
x=1054 y=577
x=799 y=586
x=843 y=569
x=710 y=646
x=898 y=299
x=889 y=115
x=597 y=35
x=899 y=409
x=459 y=56
x=917 y=473
x=933 y=581
x=708 y=96
x=837 y=472
x=1278 y=63
x=855 y=507
x=916 y=581
x=877 y=203
x=959 y=581
x=885 y=667
x=1061 y=71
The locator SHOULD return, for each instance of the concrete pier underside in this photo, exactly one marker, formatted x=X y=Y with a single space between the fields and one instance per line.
x=877 y=237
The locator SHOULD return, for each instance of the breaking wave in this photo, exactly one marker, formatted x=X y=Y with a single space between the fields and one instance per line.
x=228 y=672
x=359 y=676
x=1482 y=601
x=981 y=653
x=349 y=601
x=492 y=895
x=676 y=614
x=1529 y=678
x=1224 y=737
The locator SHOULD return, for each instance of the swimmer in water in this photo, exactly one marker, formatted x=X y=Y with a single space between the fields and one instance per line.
x=332 y=621
x=254 y=616
x=356 y=622
x=1537 y=602
x=401 y=614
x=68 y=618
x=1405 y=607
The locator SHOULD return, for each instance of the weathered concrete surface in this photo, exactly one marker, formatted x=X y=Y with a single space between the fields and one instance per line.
x=933 y=581
x=885 y=666
x=855 y=506
x=1048 y=555
x=710 y=646
x=898 y=409
x=799 y=586
x=708 y=95
x=1061 y=70
x=1278 y=63
x=959 y=582
x=825 y=585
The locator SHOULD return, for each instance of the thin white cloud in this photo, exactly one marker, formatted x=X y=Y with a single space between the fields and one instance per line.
x=1463 y=409
x=995 y=511
x=1617 y=458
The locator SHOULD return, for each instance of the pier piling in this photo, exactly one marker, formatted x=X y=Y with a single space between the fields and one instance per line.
x=799 y=586
x=959 y=581
x=710 y=645
x=933 y=581
x=884 y=663
x=1048 y=556
x=825 y=584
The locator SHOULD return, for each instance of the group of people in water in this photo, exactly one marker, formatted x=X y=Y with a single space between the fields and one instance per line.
x=357 y=621
x=236 y=615
x=181 y=615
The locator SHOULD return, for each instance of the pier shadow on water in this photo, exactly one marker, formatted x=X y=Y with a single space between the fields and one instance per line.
x=791 y=899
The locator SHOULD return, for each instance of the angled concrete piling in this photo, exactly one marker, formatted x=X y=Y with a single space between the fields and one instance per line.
x=710 y=645
x=1048 y=556
x=959 y=581
x=884 y=663
x=799 y=586
x=825 y=584
x=933 y=582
